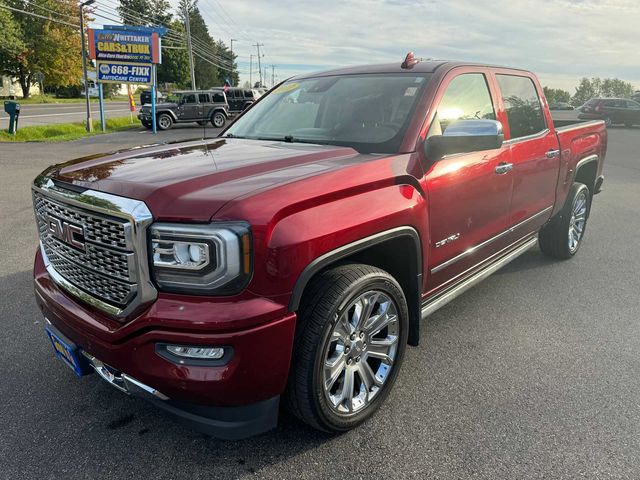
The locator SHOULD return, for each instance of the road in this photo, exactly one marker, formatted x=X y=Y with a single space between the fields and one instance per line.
x=49 y=113
x=534 y=373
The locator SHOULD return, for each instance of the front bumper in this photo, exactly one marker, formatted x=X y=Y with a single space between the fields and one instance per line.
x=230 y=400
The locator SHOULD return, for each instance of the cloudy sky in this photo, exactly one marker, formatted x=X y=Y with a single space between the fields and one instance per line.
x=560 y=40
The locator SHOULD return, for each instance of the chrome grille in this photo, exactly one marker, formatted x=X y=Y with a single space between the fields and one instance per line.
x=108 y=268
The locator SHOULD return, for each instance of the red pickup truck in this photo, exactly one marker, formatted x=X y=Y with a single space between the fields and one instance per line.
x=295 y=255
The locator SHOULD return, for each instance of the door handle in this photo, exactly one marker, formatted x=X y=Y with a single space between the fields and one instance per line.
x=503 y=168
x=553 y=153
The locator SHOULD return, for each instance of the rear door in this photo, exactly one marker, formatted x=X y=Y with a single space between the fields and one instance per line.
x=205 y=105
x=469 y=194
x=534 y=152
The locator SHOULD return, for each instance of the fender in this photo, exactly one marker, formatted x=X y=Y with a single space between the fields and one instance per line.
x=345 y=251
x=168 y=111
x=216 y=110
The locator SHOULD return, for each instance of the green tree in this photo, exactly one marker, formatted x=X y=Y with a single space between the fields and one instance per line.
x=46 y=47
x=206 y=72
x=555 y=95
x=598 y=87
x=585 y=91
x=145 y=12
x=11 y=44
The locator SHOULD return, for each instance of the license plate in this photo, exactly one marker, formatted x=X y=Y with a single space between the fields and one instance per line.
x=67 y=352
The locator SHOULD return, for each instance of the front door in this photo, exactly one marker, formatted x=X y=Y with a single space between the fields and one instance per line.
x=535 y=154
x=468 y=194
x=189 y=108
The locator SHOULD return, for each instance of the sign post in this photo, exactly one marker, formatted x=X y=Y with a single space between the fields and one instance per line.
x=126 y=54
x=103 y=121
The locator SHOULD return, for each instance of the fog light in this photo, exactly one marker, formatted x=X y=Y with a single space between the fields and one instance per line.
x=198 y=353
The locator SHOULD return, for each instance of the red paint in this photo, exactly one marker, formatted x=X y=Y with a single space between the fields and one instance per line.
x=303 y=201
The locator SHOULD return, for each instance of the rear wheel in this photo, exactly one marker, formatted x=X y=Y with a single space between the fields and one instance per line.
x=562 y=236
x=350 y=342
x=164 y=121
x=147 y=125
x=218 y=120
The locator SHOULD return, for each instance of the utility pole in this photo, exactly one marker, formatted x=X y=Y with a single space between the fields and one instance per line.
x=273 y=75
x=84 y=65
x=258 y=45
x=250 y=71
x=187 y=27
x=232 y=62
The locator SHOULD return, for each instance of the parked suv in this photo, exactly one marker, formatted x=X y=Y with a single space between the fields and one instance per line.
x=612 y=110
x=145 y=97
x=201 y=106
x=296 y=255
x=240 y=98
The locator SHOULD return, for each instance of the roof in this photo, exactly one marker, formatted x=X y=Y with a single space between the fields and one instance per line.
x=427 y=66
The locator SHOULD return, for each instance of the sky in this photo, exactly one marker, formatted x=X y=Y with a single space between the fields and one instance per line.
x=560 y=40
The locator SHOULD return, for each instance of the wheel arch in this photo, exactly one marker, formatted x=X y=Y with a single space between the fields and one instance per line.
x=587 y=172
x=169 y=112
x=378 y=251
x=216 y=110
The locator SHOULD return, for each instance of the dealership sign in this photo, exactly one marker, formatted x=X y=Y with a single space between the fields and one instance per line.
x=120 y=72
x=124 y=44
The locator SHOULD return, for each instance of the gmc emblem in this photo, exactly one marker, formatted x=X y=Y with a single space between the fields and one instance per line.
x=67 y=232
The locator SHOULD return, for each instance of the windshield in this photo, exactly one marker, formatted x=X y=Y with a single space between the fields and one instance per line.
x=173 y=98
x=367 y=112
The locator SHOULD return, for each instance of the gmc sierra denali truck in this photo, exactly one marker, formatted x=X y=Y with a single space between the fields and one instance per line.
x=294 y=256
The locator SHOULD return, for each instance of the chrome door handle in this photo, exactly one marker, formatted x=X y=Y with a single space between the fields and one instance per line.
x=553 y=153
x=503 y=168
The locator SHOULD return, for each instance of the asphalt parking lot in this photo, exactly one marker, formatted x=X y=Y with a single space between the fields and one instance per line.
x=535 y=373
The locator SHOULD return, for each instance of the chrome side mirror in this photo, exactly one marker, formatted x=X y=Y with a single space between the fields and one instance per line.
x=463 y=136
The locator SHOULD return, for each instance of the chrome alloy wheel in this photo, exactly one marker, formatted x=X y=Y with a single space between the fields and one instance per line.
x=577 y=221
x=361 y=351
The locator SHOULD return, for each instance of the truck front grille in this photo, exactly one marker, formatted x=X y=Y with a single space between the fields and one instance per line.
x=94 y=246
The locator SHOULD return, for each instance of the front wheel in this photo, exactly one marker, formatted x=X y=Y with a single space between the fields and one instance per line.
x=218 y=120
x=562 y=236
x=164 y=121
x=350 y=342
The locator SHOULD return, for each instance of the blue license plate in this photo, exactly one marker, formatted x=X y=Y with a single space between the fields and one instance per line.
x=67 y=352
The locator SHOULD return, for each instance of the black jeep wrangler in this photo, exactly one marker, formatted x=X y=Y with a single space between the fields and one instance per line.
x=199 y=106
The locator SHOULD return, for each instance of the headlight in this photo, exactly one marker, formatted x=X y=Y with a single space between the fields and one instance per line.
x=201 y=259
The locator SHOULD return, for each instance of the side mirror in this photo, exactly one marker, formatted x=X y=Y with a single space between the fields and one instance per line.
x=463 y=136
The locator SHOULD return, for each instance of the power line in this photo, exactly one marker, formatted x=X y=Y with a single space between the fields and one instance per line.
x=17 y=10
x=62 y=14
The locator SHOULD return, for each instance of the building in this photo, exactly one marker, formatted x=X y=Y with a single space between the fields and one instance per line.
x=10 y=88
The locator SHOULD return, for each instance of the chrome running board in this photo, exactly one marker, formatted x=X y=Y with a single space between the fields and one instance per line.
x=441 y=300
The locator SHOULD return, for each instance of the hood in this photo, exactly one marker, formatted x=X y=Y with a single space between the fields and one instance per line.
x=193 y=180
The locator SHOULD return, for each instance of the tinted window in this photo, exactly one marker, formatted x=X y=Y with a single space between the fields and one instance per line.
x=218 y=97
x=203 y=97
x=369 y=113
x=467 y=97
x=231 y=93
x=615 y=103
x=248 y=94
x=633 y=105
x=189 y=98
x=522 y=104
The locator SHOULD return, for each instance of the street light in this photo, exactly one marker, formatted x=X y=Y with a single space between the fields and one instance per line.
x=84 y=63
x=232 y=40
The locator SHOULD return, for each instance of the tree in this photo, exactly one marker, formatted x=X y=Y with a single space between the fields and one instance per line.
x=11 y=44
x=145 y=12
x=597 y=87
x=46 y=47
x=206 y=71
x=555 y=95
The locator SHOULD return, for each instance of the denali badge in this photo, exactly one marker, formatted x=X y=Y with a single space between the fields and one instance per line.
x=449 y=239
x=67 y=232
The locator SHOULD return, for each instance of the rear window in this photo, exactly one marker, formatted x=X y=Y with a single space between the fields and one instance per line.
x=524 y=111
x=204 y=97
x=248 y=94
x=218 y=97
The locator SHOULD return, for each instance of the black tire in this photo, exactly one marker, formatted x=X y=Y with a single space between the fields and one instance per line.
x=608 y=121
x=218 y=119
x=554 y=237
x=164 y=121
x=326 y=297
x=147 y=125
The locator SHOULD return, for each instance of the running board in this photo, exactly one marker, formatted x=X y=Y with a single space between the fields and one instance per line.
x=441 y=300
